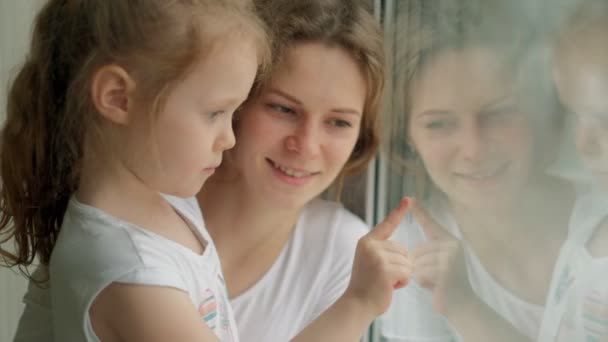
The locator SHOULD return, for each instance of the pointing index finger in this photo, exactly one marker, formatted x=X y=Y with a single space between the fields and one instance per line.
x=385 y=229
x=430 y=227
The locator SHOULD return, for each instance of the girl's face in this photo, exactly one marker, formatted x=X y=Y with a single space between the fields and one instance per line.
x=467 y=127
x=297 y=134
x=195 y=124
x=581 y=75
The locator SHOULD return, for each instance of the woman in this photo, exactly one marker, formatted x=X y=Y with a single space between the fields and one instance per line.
x=483 y=255
x=287 y=255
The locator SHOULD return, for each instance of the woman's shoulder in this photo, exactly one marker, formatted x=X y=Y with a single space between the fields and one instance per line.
x=333 y=218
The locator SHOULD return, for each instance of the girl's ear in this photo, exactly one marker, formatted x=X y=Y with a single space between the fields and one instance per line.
x=112 y=91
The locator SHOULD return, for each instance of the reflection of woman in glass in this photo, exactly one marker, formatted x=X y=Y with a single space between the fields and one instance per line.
x=474 y=124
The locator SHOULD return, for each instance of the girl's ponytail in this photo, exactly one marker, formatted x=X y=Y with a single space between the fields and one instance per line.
x=39 y=149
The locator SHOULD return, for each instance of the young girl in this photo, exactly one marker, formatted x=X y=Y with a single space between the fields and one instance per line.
x=119 y=101
x=577 y=304
x=480 y=123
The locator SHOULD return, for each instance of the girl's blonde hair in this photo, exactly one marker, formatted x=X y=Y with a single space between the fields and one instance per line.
x=50 y=110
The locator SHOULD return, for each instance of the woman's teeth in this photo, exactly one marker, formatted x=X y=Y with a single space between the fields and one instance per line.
x=291 y=172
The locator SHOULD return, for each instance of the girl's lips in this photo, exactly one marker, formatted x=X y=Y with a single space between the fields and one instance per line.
x=209 y=169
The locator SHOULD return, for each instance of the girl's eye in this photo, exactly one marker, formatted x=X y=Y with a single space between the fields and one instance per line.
x=216 y=114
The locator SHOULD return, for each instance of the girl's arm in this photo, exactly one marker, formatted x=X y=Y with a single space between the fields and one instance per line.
x=346 y=320
x=379 y=267
x=124 y=312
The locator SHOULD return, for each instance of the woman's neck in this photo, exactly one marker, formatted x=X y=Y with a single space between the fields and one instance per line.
x=250 y=232
x=542 y=211
x=518 y=246
x=232 y=213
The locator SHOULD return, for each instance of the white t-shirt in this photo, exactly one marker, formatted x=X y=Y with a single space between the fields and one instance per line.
x=311 y=272
x=411 y=316
x=95 y=249
x=577 y=304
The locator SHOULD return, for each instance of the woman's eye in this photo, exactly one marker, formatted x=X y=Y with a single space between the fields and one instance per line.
x=281 y=108
x=340 y=123
x=438 y=125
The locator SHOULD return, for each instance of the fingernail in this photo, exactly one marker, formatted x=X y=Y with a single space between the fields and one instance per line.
x=405 y=202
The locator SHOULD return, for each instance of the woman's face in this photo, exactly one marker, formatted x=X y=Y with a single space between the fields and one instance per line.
x=295 y=137
x=467 y=127
x=581 y=75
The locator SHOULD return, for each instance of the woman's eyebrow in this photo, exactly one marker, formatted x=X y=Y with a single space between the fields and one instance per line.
x=285 y=95
x=433 y=112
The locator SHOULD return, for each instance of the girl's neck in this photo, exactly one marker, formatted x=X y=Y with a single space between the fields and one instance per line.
x=109 y=185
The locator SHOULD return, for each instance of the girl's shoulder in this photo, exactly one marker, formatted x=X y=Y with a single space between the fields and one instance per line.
x=92 y=242
x=187 y=206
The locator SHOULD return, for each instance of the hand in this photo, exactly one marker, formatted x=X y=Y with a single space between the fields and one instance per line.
x=380 y=265
x=439 y=264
